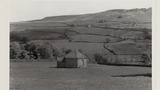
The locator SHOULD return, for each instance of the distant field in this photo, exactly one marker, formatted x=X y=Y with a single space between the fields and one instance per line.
x=45 y=76
x=129 y=46
x=122 y=31
x=92 y=38
x=89 y=48
x=35 y=25
x=53 y=32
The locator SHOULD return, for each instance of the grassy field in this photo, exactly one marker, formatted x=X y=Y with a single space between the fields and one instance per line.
x=90 y=49
x=119 y=31
x=45 y=76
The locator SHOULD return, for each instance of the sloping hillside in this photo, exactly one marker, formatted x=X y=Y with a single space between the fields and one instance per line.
x=142 y=17
x=135 y=15
x=89 y=32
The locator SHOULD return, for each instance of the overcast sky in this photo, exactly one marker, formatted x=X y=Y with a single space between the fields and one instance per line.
x=23 y=10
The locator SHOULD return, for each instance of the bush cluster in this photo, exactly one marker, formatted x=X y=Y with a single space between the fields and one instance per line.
x=33 y=50
x=100 y=59
x=145 y=59
x=15 y=50
x=147 y=34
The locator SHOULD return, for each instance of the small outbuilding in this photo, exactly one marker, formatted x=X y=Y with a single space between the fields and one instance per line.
x=74 y=59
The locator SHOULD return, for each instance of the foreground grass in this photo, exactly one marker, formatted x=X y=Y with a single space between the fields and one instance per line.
x=45 y=76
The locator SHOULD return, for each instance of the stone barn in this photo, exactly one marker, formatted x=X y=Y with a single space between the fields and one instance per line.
x=74 y=59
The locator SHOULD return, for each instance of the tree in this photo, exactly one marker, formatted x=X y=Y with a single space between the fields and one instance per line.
x=98 y=58
x=66 y=51
x=34 y=49
x=15 y=50
x=24 y=55
x=146 y=34
x=46 y=51
x=145 y=58
x=42 y=50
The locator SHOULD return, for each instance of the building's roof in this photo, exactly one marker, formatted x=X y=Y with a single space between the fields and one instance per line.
x=75 y=54
x=60 y=58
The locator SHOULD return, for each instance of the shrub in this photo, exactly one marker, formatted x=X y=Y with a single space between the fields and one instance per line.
x=102 y=59
x=145 y=58
x=15 y=50
x=24 y=55
x=66 y=51
x=46 y=51
x=98 y=58
x=57 y=52
x=33 y=49
x=146 y=34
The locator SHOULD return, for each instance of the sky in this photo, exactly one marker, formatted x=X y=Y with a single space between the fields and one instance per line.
x=23 y=10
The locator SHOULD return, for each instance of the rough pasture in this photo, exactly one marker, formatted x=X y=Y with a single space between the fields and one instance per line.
x=45 y=76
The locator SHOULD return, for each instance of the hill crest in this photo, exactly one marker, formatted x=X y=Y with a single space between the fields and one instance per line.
x=136 y=15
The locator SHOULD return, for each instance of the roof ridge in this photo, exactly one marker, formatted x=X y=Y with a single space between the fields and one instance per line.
x=75 y=54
